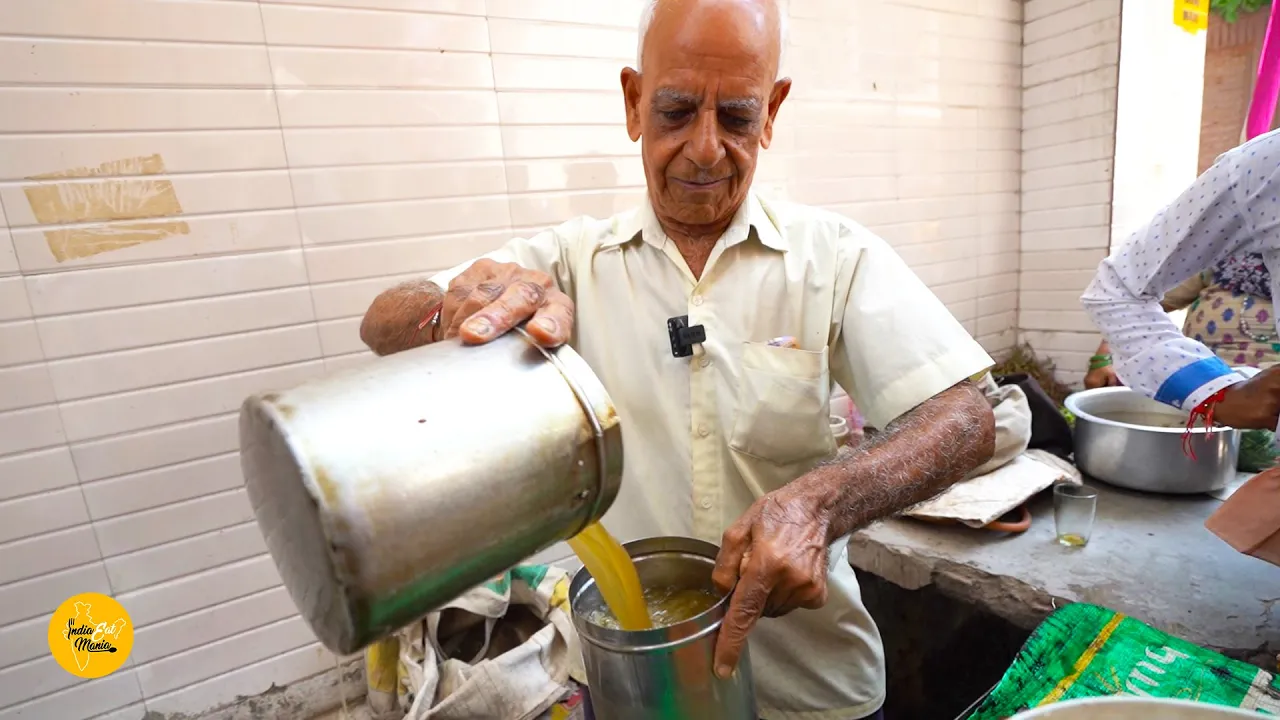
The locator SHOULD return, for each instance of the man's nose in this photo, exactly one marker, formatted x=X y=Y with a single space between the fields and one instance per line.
x=704 y=148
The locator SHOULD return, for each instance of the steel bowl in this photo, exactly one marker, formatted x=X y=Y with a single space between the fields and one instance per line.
x=1132 y=708
x=1126 y=439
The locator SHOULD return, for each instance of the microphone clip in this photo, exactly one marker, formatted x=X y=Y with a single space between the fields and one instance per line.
x=683 y=336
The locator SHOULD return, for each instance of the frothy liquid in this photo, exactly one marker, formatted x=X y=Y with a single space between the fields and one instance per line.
x=615 y=575
x=666 y=606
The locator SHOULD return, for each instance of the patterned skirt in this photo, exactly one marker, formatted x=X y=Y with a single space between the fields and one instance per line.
x=1239 y=328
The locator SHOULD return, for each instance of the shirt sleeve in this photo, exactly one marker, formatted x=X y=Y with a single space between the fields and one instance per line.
x=549 y=251
x=897 y=344
x=1229 y=209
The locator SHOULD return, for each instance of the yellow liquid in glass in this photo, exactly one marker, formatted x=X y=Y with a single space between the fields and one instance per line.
x=615 y=575
x=667 y=606
x=1072 y=540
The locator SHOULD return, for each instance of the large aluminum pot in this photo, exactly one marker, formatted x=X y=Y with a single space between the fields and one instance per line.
x=389 y=489
x=1132 y=708
x=1129 y=440
x=664 y=673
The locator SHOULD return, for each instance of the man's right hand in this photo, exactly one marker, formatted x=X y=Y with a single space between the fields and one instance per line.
x=1253 y=404
x=489 y=299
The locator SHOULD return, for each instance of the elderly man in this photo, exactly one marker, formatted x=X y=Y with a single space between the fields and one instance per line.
x=731 y=443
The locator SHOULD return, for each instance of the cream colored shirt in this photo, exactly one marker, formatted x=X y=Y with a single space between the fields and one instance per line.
x=705 y=436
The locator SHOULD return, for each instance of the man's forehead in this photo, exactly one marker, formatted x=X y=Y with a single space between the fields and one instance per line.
x=743 y=34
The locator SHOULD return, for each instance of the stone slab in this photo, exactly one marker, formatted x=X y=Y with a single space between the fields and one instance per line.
x=1150 y=557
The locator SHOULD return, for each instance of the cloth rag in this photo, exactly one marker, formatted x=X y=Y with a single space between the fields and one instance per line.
x=1249 y=520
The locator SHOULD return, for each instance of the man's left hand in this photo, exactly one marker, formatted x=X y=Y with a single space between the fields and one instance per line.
x=774 y=560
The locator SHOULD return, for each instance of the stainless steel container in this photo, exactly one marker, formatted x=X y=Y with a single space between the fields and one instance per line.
x=664 y=673
x=389 y=489
x=1119 y=439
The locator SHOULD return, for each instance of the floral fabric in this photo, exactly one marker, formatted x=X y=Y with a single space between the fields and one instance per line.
x=1239 y=328
x=1244 y=275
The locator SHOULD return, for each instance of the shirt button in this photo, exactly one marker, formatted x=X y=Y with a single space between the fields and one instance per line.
x=706 y=504
x=703 y=431
x=697 y=299
x=705 y=362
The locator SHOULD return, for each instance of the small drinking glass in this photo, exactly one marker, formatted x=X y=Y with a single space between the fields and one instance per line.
x=1073 y=509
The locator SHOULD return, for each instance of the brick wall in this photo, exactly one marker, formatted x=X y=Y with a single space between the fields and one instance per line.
x=237 y=179
x=1070 y=71
x=1230 y=68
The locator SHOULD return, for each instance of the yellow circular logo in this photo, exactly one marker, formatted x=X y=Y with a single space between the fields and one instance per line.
x=90 y=635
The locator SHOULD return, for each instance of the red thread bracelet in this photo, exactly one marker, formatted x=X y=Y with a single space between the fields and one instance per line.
x=1203 y=411
x=432 y=315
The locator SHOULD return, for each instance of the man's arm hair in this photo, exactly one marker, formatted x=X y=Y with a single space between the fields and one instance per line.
x=391 y=323
x=915 y=457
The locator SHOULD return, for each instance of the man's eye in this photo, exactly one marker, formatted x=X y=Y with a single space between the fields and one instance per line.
x=674 y=115
x=735 y=122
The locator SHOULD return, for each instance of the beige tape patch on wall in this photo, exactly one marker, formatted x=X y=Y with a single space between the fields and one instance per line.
x=124 y=195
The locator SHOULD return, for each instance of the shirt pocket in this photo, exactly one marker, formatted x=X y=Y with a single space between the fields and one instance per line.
x=783 y=406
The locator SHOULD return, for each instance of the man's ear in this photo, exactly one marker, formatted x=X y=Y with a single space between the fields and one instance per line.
x=780 y=91
x=631 y=97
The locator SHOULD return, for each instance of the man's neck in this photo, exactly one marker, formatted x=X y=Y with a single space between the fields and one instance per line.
x=695 y=242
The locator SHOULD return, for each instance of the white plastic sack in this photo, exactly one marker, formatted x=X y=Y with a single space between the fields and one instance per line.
x=502 y=651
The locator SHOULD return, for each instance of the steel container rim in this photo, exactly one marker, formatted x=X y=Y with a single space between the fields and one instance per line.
x=644 y=641
x=1072 y=403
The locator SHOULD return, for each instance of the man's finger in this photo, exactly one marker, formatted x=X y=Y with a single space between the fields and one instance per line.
x=517 y=303
x=480 y=297
x=552 y=325
x=457 y=293
x=733 y=549
x=781 y=601
x=745 y=607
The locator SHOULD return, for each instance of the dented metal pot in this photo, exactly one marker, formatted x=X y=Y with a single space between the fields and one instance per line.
x=389 y=489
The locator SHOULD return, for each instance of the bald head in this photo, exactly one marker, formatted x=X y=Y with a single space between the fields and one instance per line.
x=758 y=21
x=704 y=105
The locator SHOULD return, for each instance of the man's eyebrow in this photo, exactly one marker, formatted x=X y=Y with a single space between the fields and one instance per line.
x=740 y=105
x=672 y=96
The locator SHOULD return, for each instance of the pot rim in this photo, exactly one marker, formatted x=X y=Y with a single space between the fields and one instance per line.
x=1072 y=403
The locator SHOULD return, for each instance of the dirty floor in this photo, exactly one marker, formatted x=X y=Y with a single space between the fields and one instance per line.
x=355 y=711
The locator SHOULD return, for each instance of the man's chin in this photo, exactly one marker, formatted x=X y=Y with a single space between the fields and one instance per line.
x=700 y=208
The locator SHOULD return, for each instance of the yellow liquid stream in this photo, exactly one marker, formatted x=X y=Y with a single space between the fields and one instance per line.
x=615 y=575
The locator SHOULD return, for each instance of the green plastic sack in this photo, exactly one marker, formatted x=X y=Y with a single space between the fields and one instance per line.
x=1084 y=651
x=1257 y=451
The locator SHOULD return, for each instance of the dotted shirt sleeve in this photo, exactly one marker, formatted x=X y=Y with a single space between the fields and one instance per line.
x=1232 y=208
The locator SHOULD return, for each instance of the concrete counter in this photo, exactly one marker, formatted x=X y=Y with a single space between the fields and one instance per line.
x=1150 y=557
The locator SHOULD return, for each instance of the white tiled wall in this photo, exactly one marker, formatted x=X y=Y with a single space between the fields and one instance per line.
x=234 y=180
x=1070 y=66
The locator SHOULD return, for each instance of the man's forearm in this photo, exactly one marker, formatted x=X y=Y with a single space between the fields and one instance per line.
x=917 y=456
x=391 y=324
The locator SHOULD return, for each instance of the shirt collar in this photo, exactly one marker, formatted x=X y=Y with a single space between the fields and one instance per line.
x=753 y=218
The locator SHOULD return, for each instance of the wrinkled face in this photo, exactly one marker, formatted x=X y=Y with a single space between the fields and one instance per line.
x=704 y=105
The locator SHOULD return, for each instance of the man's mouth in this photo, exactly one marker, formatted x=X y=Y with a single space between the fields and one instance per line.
x=700 y=184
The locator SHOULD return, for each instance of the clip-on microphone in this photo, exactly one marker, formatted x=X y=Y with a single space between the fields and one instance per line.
x=683 y=336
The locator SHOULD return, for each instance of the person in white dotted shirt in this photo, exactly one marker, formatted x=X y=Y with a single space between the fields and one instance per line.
x=1232 y=209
